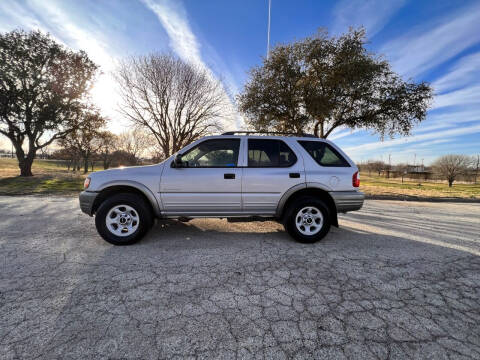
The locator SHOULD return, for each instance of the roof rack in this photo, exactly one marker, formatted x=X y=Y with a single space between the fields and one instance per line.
x=268 y=133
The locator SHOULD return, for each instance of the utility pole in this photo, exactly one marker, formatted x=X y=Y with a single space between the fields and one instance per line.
x=268 y=31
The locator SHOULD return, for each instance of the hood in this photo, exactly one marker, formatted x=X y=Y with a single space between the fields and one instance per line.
x=146 y=175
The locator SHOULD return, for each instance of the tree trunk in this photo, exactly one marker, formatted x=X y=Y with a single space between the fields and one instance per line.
x=25 y=162
x=450 y=183
x=25 y=166
x=85 y=165
x=319 y=126
x=105 y=160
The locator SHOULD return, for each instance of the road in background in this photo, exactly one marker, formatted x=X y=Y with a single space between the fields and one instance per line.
x=397 y=279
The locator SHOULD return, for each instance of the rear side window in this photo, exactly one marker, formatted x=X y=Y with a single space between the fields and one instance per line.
x=324 y=154
x=269 y=153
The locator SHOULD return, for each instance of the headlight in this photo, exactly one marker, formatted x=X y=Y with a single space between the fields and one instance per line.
x=86 y=183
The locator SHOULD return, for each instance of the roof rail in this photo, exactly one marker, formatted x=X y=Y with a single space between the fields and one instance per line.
x=268 y=133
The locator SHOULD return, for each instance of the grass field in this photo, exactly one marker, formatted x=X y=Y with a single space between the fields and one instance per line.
x=51 y=177
x=380 y=186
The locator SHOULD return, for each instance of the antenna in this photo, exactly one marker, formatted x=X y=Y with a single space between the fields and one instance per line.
x=268 y=31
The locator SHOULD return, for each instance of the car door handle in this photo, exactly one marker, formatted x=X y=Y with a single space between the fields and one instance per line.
x=229 y=176
x=294 y=175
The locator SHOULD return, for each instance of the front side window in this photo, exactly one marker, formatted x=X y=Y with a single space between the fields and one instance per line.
x=213 y=153
x=269 y=153
x=324 y=154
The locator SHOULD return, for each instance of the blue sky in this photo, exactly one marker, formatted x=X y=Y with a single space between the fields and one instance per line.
x=436 y=41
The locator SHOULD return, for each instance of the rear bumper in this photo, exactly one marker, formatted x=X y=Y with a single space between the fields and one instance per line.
x=348 y=200
x=86 y=201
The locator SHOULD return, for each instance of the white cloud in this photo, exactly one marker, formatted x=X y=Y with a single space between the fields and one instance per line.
x=451 y=119
x=342 y=132
x=441 y=135
x=183 y=41
x=428 y=46
x=174 y=20
x=73 y=34
x=12 y=15
x=467 y=95
x=456 y=116
x=464 y=72
x=372 y=14
x=49 y=16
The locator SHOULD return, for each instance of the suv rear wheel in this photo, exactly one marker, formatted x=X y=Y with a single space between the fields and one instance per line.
x=123 y=219
x=307 y=220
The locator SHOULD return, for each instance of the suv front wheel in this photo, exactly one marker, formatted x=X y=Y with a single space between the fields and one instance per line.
x=123 y=219
x=307 y=220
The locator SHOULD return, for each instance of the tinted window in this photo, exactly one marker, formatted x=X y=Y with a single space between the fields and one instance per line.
x=213 y=153
x=269 y=153
x=324 y=154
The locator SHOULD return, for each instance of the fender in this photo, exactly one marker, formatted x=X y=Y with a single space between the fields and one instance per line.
x=294 y=189
x=320 y=186
x=140 y=187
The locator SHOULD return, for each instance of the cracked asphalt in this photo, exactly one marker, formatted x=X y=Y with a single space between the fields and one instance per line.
x=396 y=280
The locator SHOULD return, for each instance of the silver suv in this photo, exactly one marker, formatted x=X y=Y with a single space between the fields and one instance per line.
x=302 y=182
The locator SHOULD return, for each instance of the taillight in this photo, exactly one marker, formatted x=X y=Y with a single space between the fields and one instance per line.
x=86 y=183
x=356 y=179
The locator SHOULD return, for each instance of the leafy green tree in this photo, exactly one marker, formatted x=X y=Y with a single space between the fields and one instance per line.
x=43 y=91
x=322 y=82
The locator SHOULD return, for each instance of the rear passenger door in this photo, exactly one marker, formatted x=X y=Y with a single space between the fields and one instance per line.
x=272 y=168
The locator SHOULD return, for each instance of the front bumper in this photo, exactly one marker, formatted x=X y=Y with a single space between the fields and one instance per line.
x=87 y=199
x=348 y=200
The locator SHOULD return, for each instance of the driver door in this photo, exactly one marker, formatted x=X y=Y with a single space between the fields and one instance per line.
x=209 y=184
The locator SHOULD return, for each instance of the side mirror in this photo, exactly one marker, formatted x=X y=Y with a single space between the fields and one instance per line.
x=177 y=162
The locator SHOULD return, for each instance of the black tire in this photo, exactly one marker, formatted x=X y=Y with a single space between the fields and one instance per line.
x=289 y=220
x=138 y=204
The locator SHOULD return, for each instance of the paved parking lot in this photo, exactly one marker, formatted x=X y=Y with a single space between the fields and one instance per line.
x=396 y=280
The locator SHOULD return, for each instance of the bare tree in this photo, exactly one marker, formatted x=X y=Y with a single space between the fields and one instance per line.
x=451 y=166
x=174 y=101
x=476 y=164
x=401 y=169
x=108 y=144
x=376 y=166
x=135 y=142
x=85 y=139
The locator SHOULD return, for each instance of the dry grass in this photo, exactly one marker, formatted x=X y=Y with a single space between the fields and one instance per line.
x=53 y=177
x=49 y=177
x=379 y=186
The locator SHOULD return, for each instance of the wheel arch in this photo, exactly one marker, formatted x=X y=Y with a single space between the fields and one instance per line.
x=309 y=189
x=127 y=187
